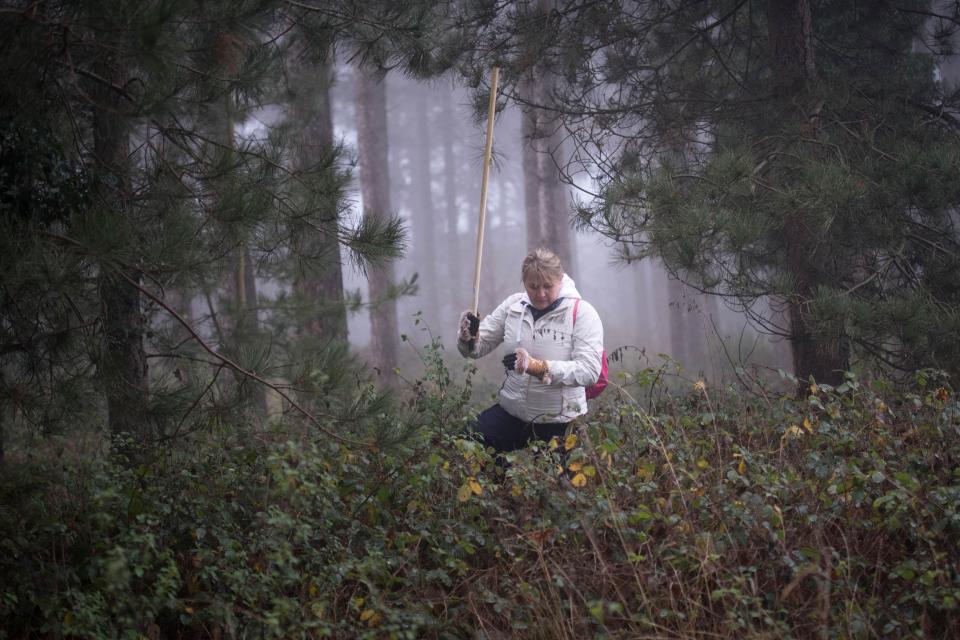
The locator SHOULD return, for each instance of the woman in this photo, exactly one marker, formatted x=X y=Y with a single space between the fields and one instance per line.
x=554 y=344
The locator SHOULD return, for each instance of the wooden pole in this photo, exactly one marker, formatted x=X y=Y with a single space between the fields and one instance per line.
x=487 y=150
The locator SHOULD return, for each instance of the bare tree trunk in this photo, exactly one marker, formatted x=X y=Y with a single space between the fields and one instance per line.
x=246 y=324
x=820 y=353
x=124 y=362
x=424 y=217
x=687 y=339
x=545 y=197
x=371 y=99
x=311 y=110
x=455 y=255
x=3 y=415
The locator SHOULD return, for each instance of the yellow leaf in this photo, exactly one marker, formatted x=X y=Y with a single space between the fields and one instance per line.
x=703 y=464
x=793 y=431
x=371 y=617
x=554 y=443
x=515 y=490
x=570 y=442
x=814 y=388
x=67 y=618
x=579 y=480
x=742 y=467
x=807 y=425
x=475 y=486
x=646 y=471
x=589 y=471
x=188 y=609
x=313 y=590
x=575 y=466
x=464 y=493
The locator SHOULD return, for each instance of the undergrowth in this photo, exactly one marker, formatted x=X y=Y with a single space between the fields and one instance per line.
x=708 y=513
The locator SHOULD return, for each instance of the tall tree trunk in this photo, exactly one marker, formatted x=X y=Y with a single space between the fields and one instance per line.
x=124 y=362
x=246 y=324
x=456 y=254
x=687 y=339
x=816 y=352
x=424 y=218
x=3 y=415
x=311 y=111
x=372 y=153
x=545 y=196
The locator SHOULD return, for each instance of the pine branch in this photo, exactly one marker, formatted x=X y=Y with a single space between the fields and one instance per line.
x=224 y=360
x=233 y=365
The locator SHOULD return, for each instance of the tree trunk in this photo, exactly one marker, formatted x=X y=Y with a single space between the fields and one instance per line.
x=456 y=254
x=3 y=415
x=790 y=34
x=817 y=352
x=545 y=196
x=124 y=362
x=687 y=339
x=424 y=220
x=246 y=323
x=311 y=111
x=372 y=153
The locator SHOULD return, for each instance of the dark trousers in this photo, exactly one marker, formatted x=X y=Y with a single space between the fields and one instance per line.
x=504 y=432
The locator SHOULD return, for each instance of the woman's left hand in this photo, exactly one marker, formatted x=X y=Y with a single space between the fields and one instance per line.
x=522 y=362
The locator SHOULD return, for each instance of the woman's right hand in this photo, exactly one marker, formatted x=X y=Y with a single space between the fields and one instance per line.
x=469 y=327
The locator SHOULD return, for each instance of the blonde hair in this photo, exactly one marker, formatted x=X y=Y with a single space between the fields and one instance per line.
x=541 y=265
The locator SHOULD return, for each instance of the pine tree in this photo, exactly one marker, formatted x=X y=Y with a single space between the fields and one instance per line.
x=121 y=182
x=823 y=167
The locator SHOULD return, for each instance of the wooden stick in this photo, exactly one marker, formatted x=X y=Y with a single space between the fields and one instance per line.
x=487 y=151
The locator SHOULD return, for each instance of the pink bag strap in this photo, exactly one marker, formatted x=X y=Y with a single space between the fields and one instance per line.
x=576 y=305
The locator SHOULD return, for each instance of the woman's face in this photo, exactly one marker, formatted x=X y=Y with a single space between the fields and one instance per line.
x=542 y=293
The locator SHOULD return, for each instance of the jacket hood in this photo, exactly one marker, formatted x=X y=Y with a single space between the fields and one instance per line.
x=568 y=289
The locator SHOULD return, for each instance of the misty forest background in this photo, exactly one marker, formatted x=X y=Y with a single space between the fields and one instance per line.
x=236 y=237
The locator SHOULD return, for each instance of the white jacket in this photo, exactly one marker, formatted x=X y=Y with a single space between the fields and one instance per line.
x=573 y=354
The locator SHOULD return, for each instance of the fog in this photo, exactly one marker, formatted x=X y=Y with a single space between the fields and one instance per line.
x=642 y=309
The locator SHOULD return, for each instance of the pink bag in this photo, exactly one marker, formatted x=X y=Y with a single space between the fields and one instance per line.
x=597 y=388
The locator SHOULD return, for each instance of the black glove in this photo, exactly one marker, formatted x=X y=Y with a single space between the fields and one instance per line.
x=510 y=361
x=469 y=326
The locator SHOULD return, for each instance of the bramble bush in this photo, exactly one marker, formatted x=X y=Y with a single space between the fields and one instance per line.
x=697 y=512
